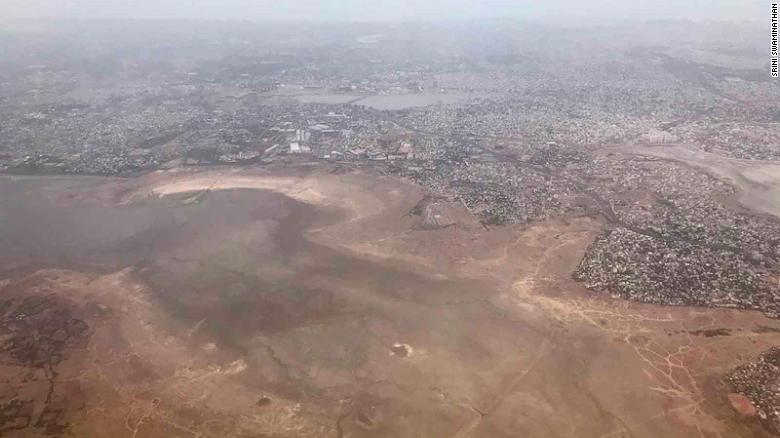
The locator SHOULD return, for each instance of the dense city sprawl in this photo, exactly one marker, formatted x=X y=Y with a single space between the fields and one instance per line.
x=759 y=381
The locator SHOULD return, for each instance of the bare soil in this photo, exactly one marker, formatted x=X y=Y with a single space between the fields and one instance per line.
x=304 y=303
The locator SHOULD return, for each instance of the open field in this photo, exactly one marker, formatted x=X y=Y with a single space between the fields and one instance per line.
x=300 y=301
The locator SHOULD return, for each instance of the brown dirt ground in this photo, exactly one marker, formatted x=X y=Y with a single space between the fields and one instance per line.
x=204 y=303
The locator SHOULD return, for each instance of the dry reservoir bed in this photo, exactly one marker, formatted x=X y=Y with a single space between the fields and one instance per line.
x=300 y=302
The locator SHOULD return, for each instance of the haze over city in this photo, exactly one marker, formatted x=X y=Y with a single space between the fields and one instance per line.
x=386 y=10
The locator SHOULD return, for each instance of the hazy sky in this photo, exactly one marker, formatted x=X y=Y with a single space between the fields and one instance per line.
x=385 y=10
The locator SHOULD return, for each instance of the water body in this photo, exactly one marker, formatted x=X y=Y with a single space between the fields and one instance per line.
x=389 y=102
x=394 y=102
